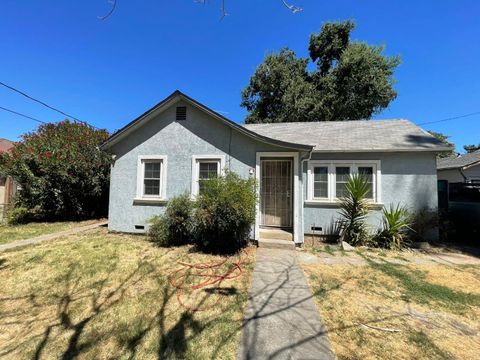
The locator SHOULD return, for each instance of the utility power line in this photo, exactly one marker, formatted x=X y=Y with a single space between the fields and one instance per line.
x=451 y=118
x=44 y=104
x=23 y=115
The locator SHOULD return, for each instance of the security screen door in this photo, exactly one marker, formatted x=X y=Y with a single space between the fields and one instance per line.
x=276 y=192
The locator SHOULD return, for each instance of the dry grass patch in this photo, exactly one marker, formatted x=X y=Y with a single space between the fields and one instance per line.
x=99 y=295
x=405 y=311
x=9 y=233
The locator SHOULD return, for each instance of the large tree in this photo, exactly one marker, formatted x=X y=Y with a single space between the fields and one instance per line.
x=471 y=148
x=352 y=81
x=444 y=139
x=62 y=172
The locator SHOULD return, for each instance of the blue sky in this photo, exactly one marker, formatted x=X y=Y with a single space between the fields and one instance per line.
x=108 y=72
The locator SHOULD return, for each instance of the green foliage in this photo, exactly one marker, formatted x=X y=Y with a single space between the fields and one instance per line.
x=175 y=227
x=224 y=213
x=354 y=209
x=353 y=81
x=61 y=170
x=471 y=148
x=444 y=138
x=19 y=215
x=394 y=233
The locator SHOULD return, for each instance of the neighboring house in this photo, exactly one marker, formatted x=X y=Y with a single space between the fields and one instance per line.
x=7 y=185
x=301 y=168
x=460 y=169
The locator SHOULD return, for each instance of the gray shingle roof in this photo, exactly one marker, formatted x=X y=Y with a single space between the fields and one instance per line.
x=359 y=135
x=459 y=161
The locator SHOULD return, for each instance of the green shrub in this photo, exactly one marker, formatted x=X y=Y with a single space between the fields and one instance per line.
x=225 y=212
x=22 y=215
x=394 y=233
x=354 y=209
x=175 y=226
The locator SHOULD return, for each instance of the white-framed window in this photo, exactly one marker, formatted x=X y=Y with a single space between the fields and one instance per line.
x=327 y=179
x=151 y=177
x=205 y=168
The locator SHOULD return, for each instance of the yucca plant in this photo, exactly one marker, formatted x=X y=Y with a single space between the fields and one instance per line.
x=354 y=209
x=396 y=224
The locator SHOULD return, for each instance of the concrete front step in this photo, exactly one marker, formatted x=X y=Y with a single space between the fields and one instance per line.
x=276 y=244
x=276 y=234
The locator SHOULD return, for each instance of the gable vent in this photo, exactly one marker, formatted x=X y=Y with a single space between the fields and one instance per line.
x=181 y=113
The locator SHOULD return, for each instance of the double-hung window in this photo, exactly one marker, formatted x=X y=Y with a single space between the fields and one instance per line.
x=151 y=177
x=327 y=180
x=204 y=169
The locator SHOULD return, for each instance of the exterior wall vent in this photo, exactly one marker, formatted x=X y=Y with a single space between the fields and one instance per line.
x=139 y=227
x=181 y=113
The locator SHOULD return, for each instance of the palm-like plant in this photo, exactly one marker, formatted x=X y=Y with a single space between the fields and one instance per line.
x=395 y=228
x=354 y=209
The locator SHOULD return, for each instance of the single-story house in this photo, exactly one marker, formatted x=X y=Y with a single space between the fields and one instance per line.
x=301 y=168
x=460 y=169
x=7 y=185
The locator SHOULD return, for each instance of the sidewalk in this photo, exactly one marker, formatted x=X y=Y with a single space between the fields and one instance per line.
x=42 y=238
x=282 y=321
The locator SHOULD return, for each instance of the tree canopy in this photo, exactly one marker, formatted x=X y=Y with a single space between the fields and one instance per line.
x=444 y=138
x=471 y=148
x=61 y=171
x=352 y=80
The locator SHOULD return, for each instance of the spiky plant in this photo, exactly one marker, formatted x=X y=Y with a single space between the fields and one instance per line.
x=354 y=209
x=396 y=224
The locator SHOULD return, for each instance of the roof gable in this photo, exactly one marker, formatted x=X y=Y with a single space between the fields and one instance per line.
x=175 y=97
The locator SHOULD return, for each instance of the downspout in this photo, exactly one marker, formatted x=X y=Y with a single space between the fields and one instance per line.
x=463 y=174
x=302 y=207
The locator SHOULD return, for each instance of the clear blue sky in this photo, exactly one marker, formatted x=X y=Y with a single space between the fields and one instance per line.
x=109 y=72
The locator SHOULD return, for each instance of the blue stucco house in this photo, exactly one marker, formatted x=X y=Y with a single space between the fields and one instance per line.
x=301 y=168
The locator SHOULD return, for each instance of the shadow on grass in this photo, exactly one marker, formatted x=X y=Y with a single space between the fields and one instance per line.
x=421 y=291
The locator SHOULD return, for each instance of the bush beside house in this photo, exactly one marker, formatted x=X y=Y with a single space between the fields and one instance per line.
x=62 y=173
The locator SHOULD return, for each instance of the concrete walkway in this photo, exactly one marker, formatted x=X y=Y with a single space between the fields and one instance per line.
x=282 y=321
x=42 y=238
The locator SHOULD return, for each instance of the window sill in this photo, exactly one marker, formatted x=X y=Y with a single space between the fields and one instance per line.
x=149 y=201
x=375 y=206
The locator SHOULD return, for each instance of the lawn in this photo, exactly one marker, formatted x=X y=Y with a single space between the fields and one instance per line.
x=9 y=233
x=101 y=296
x=400 y=311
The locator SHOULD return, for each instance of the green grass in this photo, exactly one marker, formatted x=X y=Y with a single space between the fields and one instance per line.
x=99 y=295
x=9 y=233
x=427 y=346
x=418 y=290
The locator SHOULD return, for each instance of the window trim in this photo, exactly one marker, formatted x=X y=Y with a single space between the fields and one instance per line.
x=196 y=160
x=332 y=164
x=142 y=159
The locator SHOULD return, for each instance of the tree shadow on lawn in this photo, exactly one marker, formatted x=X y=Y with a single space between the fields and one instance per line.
x=173 y=340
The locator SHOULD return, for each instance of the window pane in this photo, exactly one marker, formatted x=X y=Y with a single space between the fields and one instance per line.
x=320 y=182
x=152 y=170
x=208 y=170
x=367 y=173
x=342 y=176
x=151 y=187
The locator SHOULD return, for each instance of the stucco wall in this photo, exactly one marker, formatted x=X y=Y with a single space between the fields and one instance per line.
x=409 y=179
x=451 y=175
x=198 y=135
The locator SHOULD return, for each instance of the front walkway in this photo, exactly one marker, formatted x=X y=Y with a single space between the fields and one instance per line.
x=42 y=238
x=282 y=321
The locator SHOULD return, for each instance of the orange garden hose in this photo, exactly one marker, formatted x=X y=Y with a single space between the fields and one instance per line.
x=208 y=274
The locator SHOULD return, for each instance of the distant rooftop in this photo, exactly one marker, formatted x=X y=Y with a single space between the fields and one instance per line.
x=6 y=145
x=459 y=161
x=359 y=135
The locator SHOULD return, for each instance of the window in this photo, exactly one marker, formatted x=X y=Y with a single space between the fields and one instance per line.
x=205 y=168
x=342 y=174
x=151 y=177
x=320 y=182
x=327 y=180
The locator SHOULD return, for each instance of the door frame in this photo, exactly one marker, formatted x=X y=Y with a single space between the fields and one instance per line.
x=295 y=200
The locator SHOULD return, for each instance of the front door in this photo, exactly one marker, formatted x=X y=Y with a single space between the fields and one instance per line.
x=276 y=192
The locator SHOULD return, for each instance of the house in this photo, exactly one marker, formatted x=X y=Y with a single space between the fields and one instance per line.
x=301 y=168
x=7 y=185
x=460 y=169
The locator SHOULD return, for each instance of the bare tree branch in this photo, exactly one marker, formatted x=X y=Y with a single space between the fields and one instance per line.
x=112 y=9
